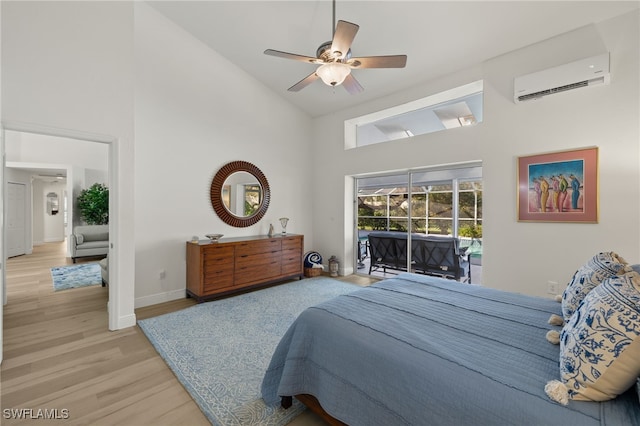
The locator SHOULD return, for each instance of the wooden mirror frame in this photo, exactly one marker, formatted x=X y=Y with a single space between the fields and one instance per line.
x=216 y=194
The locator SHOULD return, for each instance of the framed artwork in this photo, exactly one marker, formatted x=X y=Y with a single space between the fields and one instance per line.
x=559 y=187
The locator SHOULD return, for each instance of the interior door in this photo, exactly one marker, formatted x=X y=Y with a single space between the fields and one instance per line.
x=16 y=218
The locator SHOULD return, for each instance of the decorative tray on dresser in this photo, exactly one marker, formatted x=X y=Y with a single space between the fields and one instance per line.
x=235 y=264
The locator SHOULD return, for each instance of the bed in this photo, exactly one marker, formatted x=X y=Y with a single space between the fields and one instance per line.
x=416 y=350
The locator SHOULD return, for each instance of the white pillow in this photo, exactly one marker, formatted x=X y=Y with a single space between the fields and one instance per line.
x=597 y=269
x=79 y=238
x=600 y=345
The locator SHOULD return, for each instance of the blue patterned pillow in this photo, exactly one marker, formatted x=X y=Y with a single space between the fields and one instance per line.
x=600 y=346
x=600 y=267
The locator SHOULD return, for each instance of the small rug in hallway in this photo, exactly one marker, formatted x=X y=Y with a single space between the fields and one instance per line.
x=220 y=350
x=74 y=276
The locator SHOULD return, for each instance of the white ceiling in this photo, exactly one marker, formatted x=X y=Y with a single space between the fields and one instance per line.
x=44 y=173
x=439 y=37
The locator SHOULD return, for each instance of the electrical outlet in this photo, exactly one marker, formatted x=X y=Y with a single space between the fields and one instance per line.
x=552 y=287
x=162 y=274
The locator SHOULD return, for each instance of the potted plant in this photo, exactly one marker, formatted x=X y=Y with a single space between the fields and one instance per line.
x=93 y=204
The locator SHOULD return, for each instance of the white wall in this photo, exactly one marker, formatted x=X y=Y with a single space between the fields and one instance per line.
x=82 y=66
x=196 y=111
x=87 y=162
x=34 y=148
x=517 y=256
x=37 y=218
x=67 y=68
x=72 y=68
x=53 y=225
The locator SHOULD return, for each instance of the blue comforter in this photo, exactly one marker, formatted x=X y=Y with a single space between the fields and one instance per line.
x=420 y=350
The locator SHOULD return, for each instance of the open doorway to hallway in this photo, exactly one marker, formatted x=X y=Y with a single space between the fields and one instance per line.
x=52 y=171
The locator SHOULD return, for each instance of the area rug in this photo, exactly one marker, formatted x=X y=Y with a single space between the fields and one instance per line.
x=74 y=276
x=220 y=350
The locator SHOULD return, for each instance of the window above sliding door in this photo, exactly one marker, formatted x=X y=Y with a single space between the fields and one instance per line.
x=451 y=109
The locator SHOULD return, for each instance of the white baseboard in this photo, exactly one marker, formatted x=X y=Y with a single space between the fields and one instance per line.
x=118 y=323
x=53 y=240
x=126 y=322
x=154 y=299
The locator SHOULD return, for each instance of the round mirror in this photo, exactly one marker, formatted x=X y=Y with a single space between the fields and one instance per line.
x=240 y=194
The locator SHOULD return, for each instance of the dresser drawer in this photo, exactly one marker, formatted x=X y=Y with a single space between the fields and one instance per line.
x=257 y=247
x=294 y=268
x=217 y=280
x=217 y=269
x=291 y=262
x=218 y=250
x=251 y=273
x=292 y=243
x=217 y=266
x=257 y=260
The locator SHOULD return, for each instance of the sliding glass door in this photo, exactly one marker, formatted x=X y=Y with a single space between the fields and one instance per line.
x=435 y=201
x=382 y=206
x=470 y=221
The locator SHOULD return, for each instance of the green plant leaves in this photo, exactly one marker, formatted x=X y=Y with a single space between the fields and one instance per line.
x=93 y=204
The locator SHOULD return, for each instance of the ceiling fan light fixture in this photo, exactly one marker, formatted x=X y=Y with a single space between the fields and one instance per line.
x=333 y=73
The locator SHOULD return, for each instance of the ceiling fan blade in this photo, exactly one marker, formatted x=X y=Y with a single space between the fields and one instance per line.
x=304 y=82
x=343 y=37
x=391 y=61
x=293 y=56
x=351 y=85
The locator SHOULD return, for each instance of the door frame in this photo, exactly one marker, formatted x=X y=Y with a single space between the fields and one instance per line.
x=120 y=306
x=453 y=173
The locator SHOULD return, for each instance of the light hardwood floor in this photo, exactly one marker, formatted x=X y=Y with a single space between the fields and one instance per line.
x=59 y=355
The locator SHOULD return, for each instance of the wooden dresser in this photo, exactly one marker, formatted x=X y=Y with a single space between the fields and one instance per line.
x=235 y=264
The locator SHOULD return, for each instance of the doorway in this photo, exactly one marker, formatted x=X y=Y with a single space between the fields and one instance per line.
x=120 y=305
x=444 y=200
x=44 y=169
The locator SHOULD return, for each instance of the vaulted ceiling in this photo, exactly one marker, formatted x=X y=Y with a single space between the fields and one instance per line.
x=439 y=37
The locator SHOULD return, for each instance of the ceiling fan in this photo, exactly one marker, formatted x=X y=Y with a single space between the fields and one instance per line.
x=336 y=62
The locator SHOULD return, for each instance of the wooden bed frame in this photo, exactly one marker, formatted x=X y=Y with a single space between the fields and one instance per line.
x=314 y=405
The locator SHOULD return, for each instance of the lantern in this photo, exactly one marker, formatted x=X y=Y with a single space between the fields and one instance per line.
x=334 y=265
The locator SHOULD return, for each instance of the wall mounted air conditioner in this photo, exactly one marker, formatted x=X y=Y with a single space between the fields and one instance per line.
x=583 y=73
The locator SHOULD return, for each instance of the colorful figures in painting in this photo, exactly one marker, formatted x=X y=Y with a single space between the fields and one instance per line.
x=555 y=194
